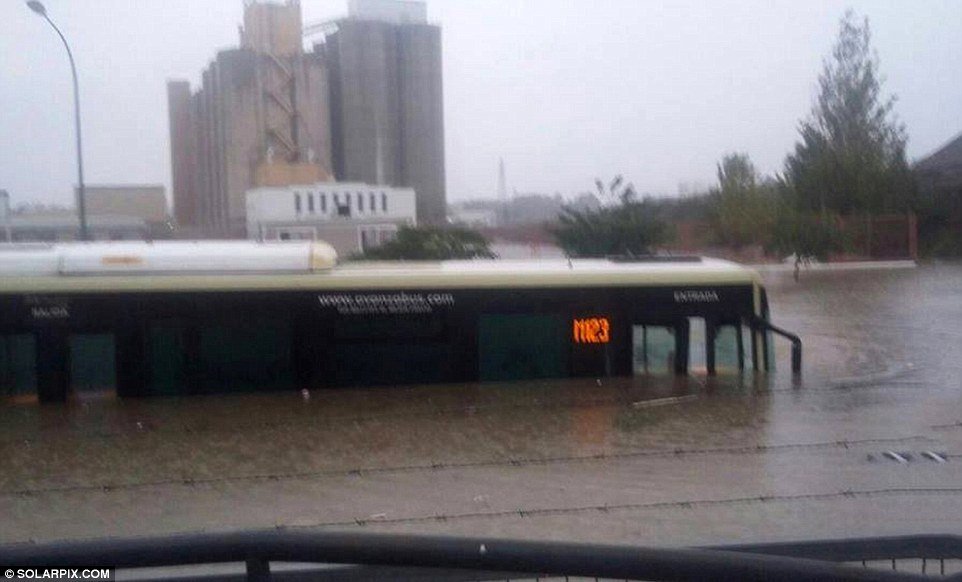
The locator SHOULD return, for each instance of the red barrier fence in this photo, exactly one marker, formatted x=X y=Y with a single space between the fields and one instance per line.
x=867 y=237
x=881 y=237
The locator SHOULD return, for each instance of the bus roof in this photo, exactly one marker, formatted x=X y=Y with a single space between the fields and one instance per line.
x=406 y=275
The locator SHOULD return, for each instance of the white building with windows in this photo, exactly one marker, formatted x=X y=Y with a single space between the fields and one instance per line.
x=350 y=216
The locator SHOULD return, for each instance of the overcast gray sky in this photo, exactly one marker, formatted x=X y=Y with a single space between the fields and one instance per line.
x=564 y=90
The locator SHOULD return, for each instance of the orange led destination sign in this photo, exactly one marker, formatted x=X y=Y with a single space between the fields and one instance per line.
x=591 y=330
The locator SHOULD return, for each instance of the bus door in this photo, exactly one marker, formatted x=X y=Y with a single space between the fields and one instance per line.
x=732 y=346
x=699 y=360
x=717 y=346
x=690 y=345
x=729 y=345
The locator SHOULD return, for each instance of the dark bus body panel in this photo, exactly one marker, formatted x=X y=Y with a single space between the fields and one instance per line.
x=198 y=342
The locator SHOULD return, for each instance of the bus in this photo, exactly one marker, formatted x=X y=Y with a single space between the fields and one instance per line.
x=178 y=318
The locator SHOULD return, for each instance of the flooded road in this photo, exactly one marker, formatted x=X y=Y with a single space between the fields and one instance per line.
x=643 y=460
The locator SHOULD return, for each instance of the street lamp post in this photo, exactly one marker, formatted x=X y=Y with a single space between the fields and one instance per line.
x=39 y=8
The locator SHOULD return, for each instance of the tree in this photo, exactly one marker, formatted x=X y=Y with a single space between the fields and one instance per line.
x=743 y=208
x=622 y=225
x=428 y=243
x=804 y=235
x=737 y=175
x=851 y=155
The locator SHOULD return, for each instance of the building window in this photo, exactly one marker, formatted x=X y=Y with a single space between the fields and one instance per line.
x=323 y=203
x=375 y=235
x=383 y=202
x=336 y=203
x=372 y=202
x=297 y=202
x=295 y=233
x=310 y=202
x=344 y=209
x=360 y=202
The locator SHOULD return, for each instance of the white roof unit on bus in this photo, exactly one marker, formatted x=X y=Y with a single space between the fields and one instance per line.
x=480 y=274
x=125 y=258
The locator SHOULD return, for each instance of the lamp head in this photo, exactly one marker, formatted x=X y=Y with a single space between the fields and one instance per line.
x=37 y=7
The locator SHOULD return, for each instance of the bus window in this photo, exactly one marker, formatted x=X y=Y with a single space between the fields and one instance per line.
x=244 y=356
x=697 y=342
x=18 y=366
x=522 y=346
x=93 y=367
x=389 y=350
x=728 y=348
x=390 y=363
x=747 y=357
x=167 y=361
x=653 y=348
x=768 y=348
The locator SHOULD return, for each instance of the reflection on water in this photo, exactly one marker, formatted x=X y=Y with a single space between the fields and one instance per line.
x=882 y=367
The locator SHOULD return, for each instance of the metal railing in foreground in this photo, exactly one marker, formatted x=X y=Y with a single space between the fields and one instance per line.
x=355 y=556
x=936 y=555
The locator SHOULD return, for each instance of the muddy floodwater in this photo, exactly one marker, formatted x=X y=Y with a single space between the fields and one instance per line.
x=638 y=460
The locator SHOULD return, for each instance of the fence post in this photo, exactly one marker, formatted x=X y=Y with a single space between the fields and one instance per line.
x=258 y=570
x=913 y=227
x=868 y=235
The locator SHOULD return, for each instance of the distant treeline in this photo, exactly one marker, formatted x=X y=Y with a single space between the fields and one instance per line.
x=848 y=166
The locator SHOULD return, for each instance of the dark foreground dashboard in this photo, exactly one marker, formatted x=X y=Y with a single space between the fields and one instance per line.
x=332 y=556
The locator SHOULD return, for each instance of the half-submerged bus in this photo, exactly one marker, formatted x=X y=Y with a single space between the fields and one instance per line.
x=145 y=319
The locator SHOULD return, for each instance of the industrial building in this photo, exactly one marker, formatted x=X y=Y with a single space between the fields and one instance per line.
x=260 y=118
x=351 y=217
x=114 y=212
x=942 y=169
x=144 y=201
x=363 y=106
x=387 y=113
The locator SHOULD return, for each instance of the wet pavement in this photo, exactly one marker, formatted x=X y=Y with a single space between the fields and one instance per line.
x=642 y=460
